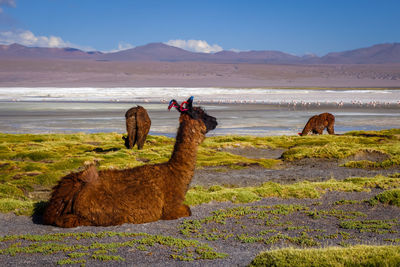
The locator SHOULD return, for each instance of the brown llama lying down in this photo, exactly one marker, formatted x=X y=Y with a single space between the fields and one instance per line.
x=137 y=125
x=138 y=195
x=316 y=124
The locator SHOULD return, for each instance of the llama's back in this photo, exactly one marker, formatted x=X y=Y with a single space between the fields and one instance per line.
x=131 y=112
x=119 y=199
x=109 y=197
x=123 y=196
x=327 y=117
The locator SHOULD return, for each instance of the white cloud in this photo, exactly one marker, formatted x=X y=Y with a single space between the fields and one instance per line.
x=10 y=3
x=121 y=46
x=195 y=46
x=27 y=38
x=7 y=3
x=124 y=46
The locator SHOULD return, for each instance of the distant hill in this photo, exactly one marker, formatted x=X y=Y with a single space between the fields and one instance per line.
x=153 y=52
x=20 y=51
x=255 y=57
x=377 y=54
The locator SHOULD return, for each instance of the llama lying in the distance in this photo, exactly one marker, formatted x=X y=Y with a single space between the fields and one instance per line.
x=138 y=195
x=316 y=124
x=137 y=126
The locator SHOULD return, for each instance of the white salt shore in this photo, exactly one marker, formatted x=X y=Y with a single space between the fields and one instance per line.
x=209 y=95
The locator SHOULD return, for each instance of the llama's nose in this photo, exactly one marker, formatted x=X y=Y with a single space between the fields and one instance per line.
x=214 y=123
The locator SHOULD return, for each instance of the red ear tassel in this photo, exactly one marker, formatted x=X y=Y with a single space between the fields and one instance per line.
x=173 y=104
x=182 y=108
x=299 y=133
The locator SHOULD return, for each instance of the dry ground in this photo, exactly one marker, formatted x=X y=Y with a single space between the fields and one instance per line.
x=69 y=73
x=239 y=230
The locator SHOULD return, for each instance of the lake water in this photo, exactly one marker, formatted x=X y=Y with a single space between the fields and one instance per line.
x=266 y=112
x=239 y=119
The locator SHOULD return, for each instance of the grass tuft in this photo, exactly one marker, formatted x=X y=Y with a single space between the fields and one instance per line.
x=30 y=162
x=198 y=195
x=90 y=249
x=361 y=255
x=390 y=197
x=19 y=207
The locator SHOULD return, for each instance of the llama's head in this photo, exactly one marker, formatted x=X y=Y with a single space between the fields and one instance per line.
x=126 y=141
x=195 y=114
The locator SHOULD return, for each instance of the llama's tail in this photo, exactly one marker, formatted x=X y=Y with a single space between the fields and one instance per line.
x=64 y=194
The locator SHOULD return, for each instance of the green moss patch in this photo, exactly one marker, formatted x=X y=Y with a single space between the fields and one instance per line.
x=30 y=161
x=361 y=255
x=91 y=248
x=390 y=197
x=198 y=195
x=271 y=225
x=19 y=207
x=270 y=221
x=376 y=226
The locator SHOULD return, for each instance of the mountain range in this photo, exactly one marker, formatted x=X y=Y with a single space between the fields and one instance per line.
x=159 y=52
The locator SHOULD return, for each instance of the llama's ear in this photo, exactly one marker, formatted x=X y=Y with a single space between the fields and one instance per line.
x=190 y=102
x=190 y=110
x=173 y=103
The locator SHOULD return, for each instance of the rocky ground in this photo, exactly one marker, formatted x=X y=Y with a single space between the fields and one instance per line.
x=240 y=231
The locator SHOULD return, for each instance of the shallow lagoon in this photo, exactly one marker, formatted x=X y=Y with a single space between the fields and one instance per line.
x=237 y=119
x=261 y=112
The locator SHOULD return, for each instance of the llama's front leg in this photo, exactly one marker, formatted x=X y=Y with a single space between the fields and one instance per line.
x=181 y=211
x=319 y=129
x=331 y=129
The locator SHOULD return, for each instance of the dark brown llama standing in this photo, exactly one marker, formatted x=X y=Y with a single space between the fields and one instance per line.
x=137 y=125
x=143 y=194
x=316 y=124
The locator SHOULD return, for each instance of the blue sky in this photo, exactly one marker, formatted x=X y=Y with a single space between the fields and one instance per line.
x=292 y=26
